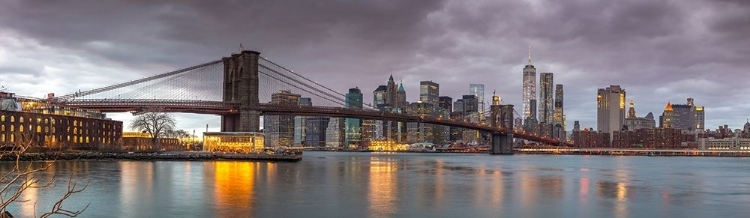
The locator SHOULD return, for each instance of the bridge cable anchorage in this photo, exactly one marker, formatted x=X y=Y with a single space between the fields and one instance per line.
x=133 y=82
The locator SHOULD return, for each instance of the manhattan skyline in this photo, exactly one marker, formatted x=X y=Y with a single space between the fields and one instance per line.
x=657 y=51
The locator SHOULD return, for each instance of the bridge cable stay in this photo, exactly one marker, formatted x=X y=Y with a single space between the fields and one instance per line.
x=134 y=82
x=289 y=81
x=268 y=89
x=194 y=85
x=307 y=82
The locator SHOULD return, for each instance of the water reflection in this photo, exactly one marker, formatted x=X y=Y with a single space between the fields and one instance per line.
x=382 y=187
x=136 y=184
x=234 y=184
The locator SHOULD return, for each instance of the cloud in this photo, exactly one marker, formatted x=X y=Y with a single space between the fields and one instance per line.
x=657 y=50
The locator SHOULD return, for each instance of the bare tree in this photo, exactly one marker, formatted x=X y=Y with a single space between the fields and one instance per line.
x=24 y=176
x=157 y=124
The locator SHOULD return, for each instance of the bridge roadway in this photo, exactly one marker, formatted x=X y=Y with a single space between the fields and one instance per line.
x=221 y=108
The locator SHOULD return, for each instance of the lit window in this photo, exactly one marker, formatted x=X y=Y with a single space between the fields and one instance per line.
x=20 y=128
x=12 y=138
x=2 y=118
x=2 y=128
x=46 y=121
x=12 y=119
x=38 y=128
x=20 y=119
x=2 y=137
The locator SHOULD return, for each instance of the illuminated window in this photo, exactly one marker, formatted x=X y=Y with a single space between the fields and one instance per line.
x=12 y=119
x=53 y=122
x=20 y=128
x=68 y=138
x=38 y=120
x=75 y=139
x=12 y=138
x=2 y=128
x=38 y=128
x=12 y=128
x=53 y=130
x=87 y=139
x=46 y=129
x=20 y=119
x=75 y=123
x=2 y=137
x=2 y=118
x=46 y=121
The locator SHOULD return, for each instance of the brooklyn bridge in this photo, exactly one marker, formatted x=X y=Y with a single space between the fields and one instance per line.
x=239 y=89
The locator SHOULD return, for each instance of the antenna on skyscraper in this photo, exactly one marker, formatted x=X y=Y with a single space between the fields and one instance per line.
x=529 y=53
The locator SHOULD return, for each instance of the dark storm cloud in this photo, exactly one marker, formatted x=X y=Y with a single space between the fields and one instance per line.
x=657 y=50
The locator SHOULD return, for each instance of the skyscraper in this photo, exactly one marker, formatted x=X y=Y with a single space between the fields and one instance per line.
x=529 y=89
x=300 y=125
x=429 y=92
x=684 y=116
x=478 y=90
x=446 y=103
x=546 y=85
x=610 y=105
x=401 y=97
x=391 y=92
x=380 y=96
x=559 y=115
x=279 y=129
x=353 y=125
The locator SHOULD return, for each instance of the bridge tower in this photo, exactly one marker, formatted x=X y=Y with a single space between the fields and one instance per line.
x=501 y=116
x=241 y=86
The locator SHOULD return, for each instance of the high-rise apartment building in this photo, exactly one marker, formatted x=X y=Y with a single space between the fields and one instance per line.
x=478 y=90
x=353 y=125
x=610 y=109
x=391 y=93
x=546 y=107
x=529 y=89
x=429 y=92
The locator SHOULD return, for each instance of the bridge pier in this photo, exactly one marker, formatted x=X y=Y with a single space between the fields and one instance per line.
x=241 y=86
x=502 y=116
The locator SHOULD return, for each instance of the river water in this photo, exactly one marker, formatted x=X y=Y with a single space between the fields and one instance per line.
x=331 y=184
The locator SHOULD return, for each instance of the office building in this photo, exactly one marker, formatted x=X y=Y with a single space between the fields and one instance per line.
x=478 y=91
x=529 y=90
x=633 y=122
x=300 y=124
x=279 y=129
x=546 y=106
x=610 y=109
x=559 y=116
x=429 y=92
x=353 y=125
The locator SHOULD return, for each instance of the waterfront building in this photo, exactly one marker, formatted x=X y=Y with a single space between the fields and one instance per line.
x=300 y=123
x=142 y=141
x=478 y=91
x=529 y=90
x=335 y=133
x=233 y=142
x=429 y=92
x=353 y=137
x=279 y=129
x=588 y=138
x=610 y=105
x=30 y=122
x=315 y=131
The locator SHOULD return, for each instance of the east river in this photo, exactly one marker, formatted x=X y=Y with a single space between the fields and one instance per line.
x=331 y=184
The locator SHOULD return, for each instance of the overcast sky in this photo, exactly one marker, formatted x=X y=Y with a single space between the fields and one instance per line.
x=657 y=50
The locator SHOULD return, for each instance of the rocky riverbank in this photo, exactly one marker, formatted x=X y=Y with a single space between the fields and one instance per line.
x=167 y=156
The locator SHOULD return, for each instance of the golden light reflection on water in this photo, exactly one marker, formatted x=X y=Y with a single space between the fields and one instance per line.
x=31 y=196
x=136 y=179
x=382 y=192
x=234 y=183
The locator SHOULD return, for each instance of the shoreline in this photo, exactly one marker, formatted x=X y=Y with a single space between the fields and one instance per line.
x=605 y=152
x=170 y=156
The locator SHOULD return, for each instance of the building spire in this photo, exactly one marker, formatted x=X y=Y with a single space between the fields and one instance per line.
x=529 y=53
